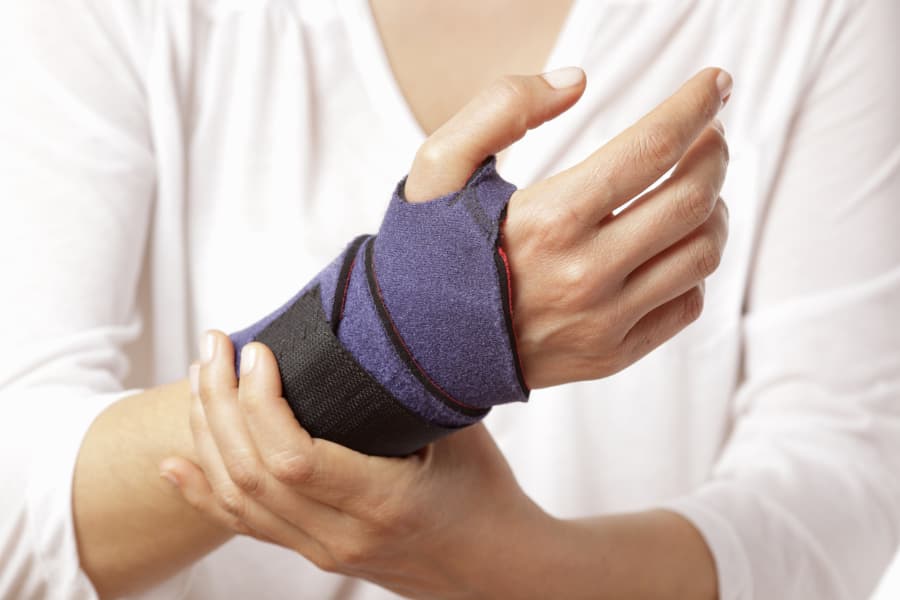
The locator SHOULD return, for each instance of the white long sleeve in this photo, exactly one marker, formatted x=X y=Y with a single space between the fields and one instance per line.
x=157 y=155
x=76 y=184
x=805 y=499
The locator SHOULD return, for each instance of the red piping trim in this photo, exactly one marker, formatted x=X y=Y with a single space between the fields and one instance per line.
x=410 y=355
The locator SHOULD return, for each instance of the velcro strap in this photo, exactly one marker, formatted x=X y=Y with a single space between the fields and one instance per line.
x=331 y=395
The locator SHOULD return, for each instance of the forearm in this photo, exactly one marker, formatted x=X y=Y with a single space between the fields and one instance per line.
x=132 y=527
x=647 y=555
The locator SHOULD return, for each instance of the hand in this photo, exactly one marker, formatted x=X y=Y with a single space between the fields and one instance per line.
x=417 y=526
x=592 y=291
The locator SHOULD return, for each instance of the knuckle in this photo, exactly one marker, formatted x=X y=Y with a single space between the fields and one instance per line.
x=351 y=552
x=657 y=148
x=722 y=148
x=552 y=227
x=246 y=475
x=693 y=306
x=431 y=154
x=250 y=402
x=539 y=221
x=546 y=210
x=706 y=256
x=718 y=224
x=324 y=562
x=292 y=468
x=573 y=275
x=722 y=207
x=389 y=517
x=722 y=221
x=232 y=500
x=696 y=202
x=512 y=93
x=572 y=217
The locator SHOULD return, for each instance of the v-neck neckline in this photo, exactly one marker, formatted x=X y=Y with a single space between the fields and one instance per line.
x=381 y=84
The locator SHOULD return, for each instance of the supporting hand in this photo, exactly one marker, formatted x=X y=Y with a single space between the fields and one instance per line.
x=449 y=522
x=413 y=525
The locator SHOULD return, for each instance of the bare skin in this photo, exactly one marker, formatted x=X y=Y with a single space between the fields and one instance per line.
x=437 y=73
x=134 y=528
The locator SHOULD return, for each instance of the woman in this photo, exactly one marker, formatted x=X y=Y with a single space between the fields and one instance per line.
x=161 y=161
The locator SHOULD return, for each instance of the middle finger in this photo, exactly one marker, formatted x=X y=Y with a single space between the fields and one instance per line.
x=668 y=213
x=679 y=268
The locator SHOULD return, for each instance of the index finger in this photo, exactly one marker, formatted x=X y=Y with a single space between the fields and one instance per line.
x=639 y=156
x=315 y=468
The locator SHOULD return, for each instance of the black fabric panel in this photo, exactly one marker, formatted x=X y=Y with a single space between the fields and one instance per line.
x=331 y=395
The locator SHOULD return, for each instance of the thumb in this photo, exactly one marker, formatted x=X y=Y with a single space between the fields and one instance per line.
x=493 y=120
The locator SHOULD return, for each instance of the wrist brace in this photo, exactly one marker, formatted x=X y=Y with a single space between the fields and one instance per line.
x=407 y=335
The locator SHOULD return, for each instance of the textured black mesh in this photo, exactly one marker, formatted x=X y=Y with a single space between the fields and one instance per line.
x=331 y=395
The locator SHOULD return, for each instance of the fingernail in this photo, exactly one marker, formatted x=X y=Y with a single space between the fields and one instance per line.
x=194 y=378
x=208 y=347
x=248 y=358
x=173 y=481
x=724 y=82
x=564 y=78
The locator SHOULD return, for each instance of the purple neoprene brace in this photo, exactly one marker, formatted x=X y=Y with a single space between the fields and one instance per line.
x=439 y=278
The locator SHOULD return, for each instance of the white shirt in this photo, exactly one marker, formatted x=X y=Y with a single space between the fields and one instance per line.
x=168 y=166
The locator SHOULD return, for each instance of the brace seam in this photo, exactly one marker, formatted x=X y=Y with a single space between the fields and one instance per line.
x=343 y=282
x=505 y=277
x=403 y=350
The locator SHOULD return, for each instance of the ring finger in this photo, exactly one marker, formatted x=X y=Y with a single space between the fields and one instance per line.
x=668 y=213
x=681 y=267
